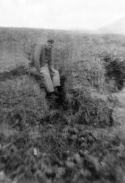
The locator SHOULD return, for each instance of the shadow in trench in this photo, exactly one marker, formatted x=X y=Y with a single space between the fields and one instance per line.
x=21 y=70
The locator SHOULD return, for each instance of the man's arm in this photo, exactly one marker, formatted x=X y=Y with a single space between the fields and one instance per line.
x=50 y=63
x=37 y=53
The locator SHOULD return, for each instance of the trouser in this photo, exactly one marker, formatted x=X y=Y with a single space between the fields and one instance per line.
x=51 y=79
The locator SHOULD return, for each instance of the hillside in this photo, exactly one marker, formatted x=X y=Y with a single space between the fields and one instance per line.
x=75 y=139
x=118 y=27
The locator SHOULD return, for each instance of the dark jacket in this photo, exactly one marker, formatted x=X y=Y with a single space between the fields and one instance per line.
x=42 y=55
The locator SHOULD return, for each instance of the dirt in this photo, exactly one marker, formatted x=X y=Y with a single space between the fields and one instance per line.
x=21 y=70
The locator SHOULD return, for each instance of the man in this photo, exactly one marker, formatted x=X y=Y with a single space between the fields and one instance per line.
x=43 y=62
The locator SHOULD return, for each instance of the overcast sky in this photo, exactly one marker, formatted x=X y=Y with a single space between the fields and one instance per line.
x=60 y=14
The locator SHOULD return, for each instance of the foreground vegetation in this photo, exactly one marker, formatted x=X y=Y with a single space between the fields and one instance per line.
x=79 y=139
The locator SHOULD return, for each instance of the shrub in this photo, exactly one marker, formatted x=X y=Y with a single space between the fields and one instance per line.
x=88 y=111
x=22 y=97
x=115 y=71
x=89 y=74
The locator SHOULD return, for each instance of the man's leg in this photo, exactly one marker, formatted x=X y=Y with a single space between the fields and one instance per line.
x=47 y=79
x=55 y=78
x=34 y=72
x=57 y=86
x=44 y=76
x=51 y=94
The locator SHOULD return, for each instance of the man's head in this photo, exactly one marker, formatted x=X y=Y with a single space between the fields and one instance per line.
x=50 y=42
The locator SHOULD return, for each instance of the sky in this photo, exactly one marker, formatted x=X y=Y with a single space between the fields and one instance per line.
x=60 y=14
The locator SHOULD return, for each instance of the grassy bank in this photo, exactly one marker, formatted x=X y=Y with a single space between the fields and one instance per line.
x=78 y=141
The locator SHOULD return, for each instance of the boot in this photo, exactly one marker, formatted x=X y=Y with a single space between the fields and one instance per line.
x=52 y=95
x=52 y=100
x=57 y=91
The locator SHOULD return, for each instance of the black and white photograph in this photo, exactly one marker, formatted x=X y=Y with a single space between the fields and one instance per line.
x=62 y=91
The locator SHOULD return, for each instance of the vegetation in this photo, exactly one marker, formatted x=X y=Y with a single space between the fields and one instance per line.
x=78 y=139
